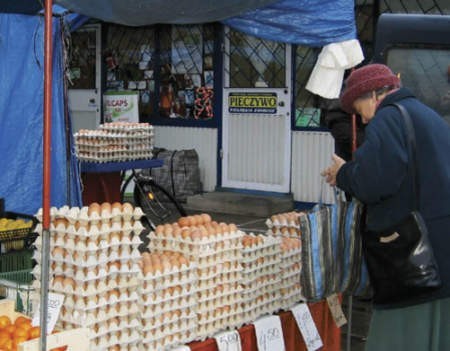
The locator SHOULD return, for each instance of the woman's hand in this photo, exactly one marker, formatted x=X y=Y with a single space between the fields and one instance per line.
x=331 y=172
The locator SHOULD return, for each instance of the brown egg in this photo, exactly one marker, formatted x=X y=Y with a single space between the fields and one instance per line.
x=94 y=208
x=127 y=208
x=58 y=251
x=206 y=218
x=177 y=232
x=116 y=206
x=105 y=209
x=168 y=230
x=198 y=219
x=183 y=221
x=192 y=220
x=60 y=222
x=58 y=279
x=68 y=282
x=159 y=230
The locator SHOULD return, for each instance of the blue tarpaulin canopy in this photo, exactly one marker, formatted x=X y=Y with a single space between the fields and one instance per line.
x=306 y=22
x=21 y=117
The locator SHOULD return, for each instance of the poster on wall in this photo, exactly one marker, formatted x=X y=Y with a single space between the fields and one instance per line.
x=121 y=106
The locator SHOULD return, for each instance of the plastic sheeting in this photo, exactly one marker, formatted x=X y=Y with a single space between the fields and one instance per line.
x=304 y=22
x=21 y=118
x=145 y=12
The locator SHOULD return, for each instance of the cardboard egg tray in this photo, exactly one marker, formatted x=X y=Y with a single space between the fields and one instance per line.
x=87 y=148
x=167 y=342
x=291 y=297
x=189 y=284
x=118 y=271
x=112 y=137
x=91 y=289
x=122 y=156
x=286 y=219
x=81 y=215
x=99 y=301
x=188 y=280
x=87 y=244
x=177 y=308
x=91 y=317
x=104 y=327
x=174 y=322
x=114 y=325
x=122 y=338
x=200 y=247
x=90 y=259
x=128 y=126
x=168 y=294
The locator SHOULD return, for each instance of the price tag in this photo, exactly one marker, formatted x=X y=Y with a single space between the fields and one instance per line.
x=307 y=327
x=269 y=334
x=228 y=341
x=336 y=310
x=55 y=302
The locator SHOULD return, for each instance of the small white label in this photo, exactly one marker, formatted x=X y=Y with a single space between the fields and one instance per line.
x=55 y=301
x=182 y=348
x=228 y=341
x=269 y=334
x=336 y=310
x=307 y=327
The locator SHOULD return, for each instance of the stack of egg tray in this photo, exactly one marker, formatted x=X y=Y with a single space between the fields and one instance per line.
x=285 y=224
x=115 y=142
x=94 y=263
x=217 y=256
x=261 y=276
x=168 y=304
x=290 y=272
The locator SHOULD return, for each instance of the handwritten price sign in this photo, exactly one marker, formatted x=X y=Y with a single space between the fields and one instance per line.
x=307 y=327
x=269 y=335
x=55 y=302
x=228 y=341
x=336 y=310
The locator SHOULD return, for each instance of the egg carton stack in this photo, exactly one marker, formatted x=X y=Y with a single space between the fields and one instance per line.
x=94 y=262
x=119 y=141
x=167 y=300
x=285 y=224
x=261 y=259
x=290 y=272
x=216 y=250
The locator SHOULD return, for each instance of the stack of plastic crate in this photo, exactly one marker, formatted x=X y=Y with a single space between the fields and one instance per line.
x=16 y=235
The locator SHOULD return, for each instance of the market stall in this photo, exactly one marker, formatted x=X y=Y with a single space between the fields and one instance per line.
x=63 y=258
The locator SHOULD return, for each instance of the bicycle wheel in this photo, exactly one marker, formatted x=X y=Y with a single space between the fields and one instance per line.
x=156 y=202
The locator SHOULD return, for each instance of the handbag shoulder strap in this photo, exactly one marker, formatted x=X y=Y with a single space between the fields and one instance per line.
x=411 y=141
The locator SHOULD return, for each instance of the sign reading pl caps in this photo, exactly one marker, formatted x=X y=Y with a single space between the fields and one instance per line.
x=121 y=106
x=252 y=102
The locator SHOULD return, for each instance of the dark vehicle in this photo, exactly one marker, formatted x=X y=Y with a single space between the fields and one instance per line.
x=418 y=48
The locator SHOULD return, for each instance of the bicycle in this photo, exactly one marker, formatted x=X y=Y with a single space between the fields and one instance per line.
x=158 y=205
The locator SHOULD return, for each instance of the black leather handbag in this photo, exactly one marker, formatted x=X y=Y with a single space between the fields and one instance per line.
x=400 y=259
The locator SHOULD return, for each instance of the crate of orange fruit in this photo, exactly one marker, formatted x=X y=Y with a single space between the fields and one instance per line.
x=17 y=333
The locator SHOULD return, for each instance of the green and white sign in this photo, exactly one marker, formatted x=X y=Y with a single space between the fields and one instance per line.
x=121 y=106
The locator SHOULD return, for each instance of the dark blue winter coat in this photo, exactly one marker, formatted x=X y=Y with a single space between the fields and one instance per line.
x=379 y=176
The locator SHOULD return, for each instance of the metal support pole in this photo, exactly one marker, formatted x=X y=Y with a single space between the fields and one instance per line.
x=349 y=324
x=45 y=253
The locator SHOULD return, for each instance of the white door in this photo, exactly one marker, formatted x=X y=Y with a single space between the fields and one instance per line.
x=256 y=127
x=84 y=86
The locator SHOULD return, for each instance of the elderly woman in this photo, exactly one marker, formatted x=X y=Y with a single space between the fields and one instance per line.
x=378 y=176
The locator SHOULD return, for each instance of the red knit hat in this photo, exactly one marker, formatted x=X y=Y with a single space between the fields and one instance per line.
x=364 y=80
